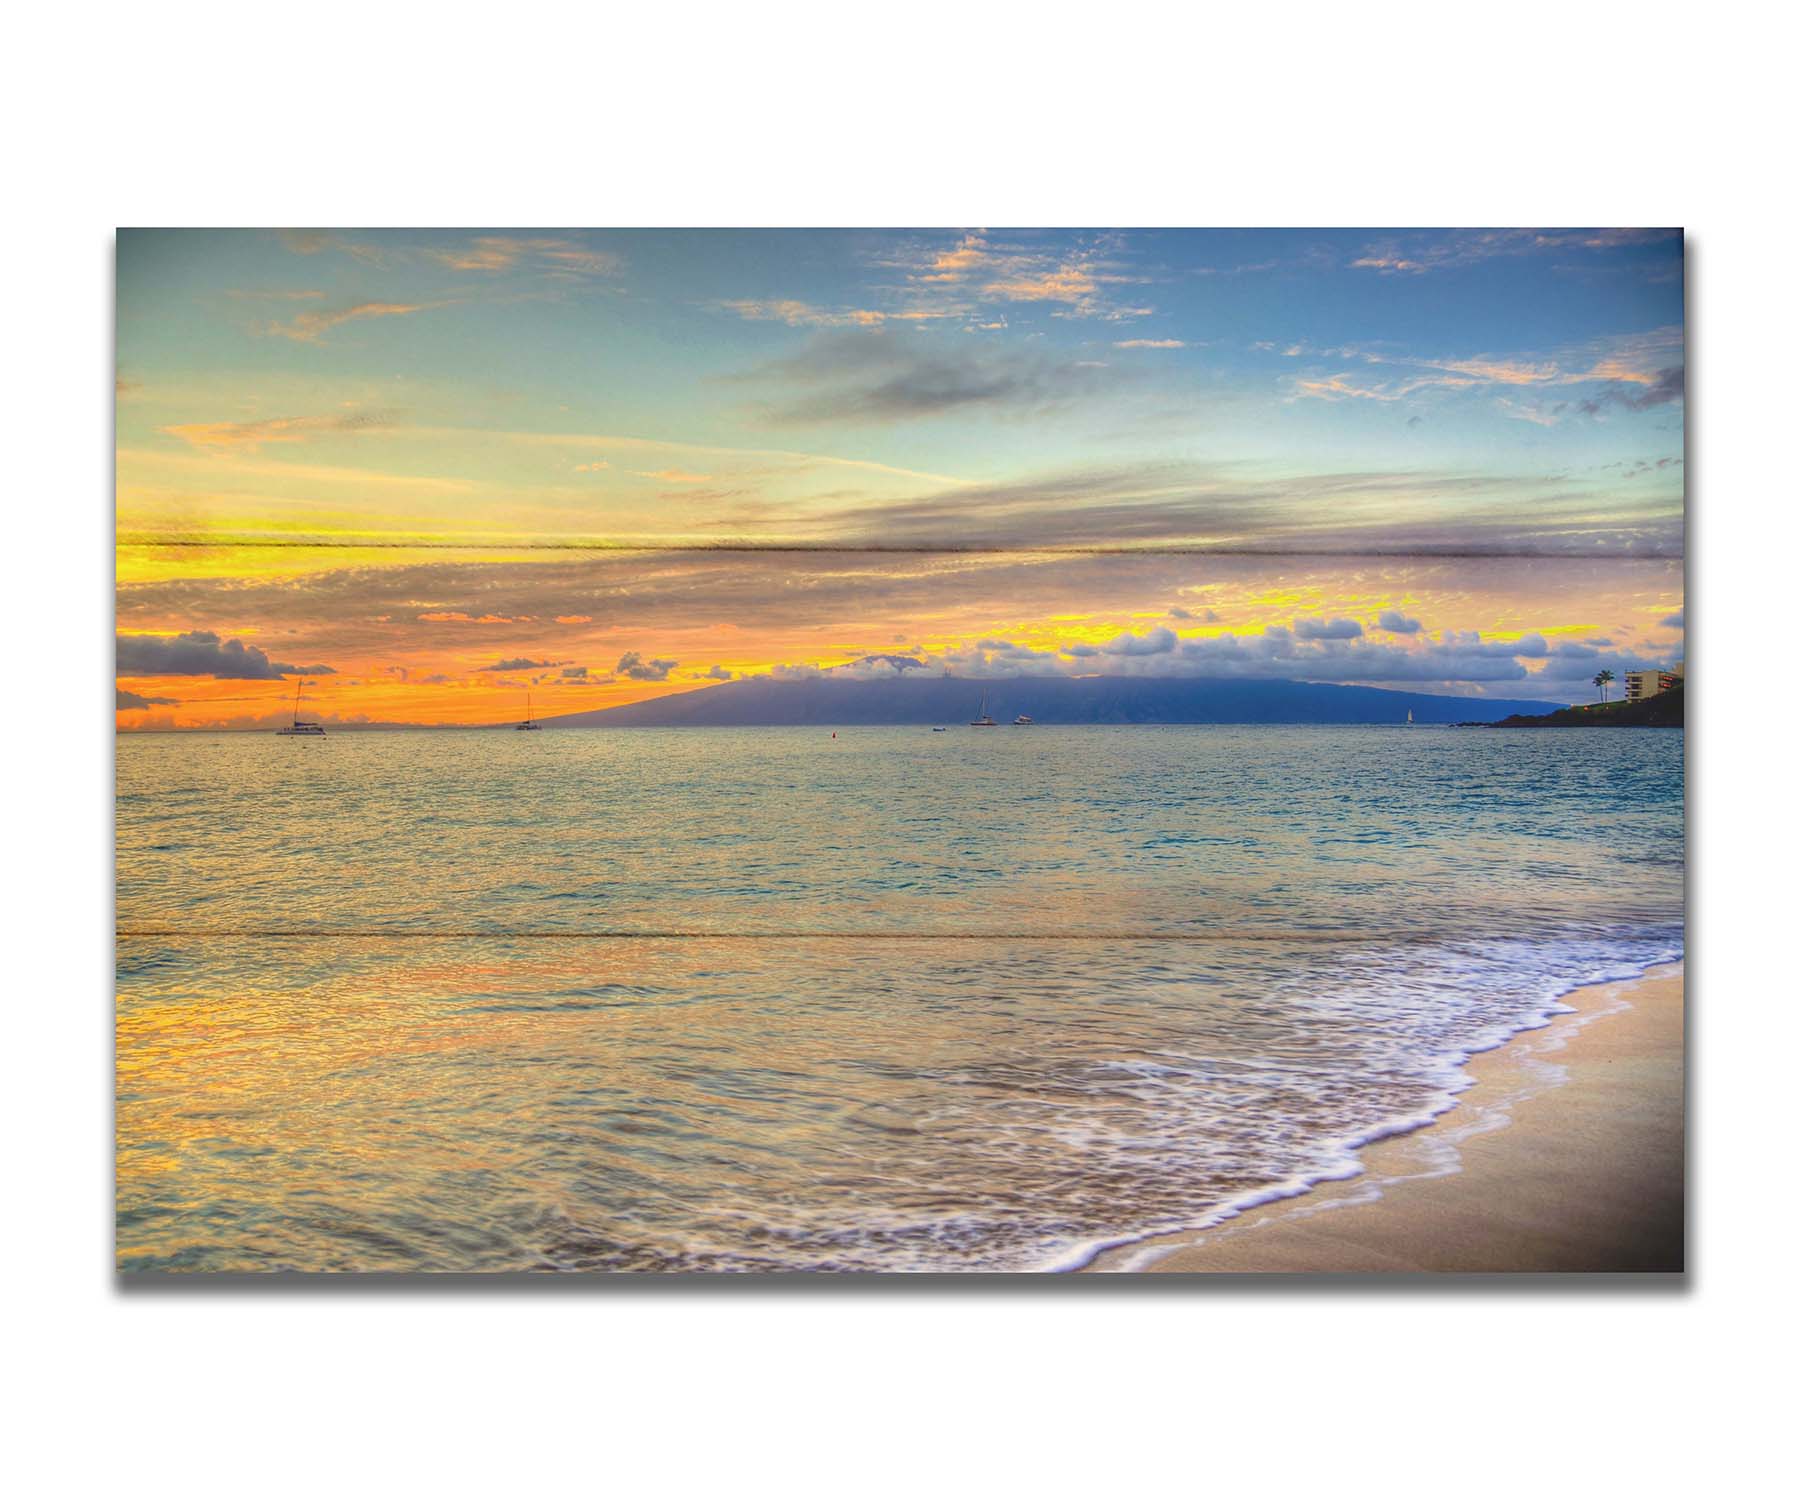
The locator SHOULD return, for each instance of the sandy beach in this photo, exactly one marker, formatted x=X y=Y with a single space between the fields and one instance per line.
x=1567 y=1154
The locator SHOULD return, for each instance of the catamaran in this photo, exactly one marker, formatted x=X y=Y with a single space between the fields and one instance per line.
x=985 y=721
x=302 y=726
x=1024 y=719
x=530 y=723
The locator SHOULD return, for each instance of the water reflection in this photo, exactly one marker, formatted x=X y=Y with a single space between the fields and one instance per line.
x=1345 y=913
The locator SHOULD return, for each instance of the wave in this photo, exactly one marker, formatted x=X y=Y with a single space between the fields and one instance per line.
x=1453 y=1082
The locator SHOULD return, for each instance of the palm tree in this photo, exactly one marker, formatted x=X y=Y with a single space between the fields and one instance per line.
x=1601 y=679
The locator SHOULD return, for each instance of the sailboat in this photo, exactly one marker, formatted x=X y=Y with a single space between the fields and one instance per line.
x=530 y=723
x=985 y=721
x=1409 y=716
x=301 y=726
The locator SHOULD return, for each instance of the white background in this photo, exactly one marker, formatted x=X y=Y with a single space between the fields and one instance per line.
x=928 y=114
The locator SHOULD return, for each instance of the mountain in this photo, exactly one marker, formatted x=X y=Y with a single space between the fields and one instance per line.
x=917 y=699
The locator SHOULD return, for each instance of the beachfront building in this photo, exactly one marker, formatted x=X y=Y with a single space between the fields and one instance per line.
x=1641 y=685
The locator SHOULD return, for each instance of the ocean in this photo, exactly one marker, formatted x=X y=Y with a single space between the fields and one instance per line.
x=766 y=1000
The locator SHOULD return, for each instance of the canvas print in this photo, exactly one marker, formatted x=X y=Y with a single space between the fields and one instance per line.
x=932 y=750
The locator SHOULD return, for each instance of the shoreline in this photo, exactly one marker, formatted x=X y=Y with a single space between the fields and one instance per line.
x=1567 y=1153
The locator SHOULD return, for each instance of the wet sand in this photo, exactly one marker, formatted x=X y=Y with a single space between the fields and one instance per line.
x=1566 y=1155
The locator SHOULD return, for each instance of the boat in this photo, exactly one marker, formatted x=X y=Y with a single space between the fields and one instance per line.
x=530 y=723
x=937 y=728
x=1024 y=719
x=302 y=727
x=1409 y=716
x=985 y=721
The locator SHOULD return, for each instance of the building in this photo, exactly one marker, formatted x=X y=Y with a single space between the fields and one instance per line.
x=1641 y=685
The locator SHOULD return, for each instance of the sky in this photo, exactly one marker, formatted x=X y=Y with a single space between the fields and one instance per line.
x=417 y=475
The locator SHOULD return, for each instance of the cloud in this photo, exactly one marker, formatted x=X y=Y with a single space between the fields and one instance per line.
x=1327 y=630
x=1669 y=385
x=1073 y=283
x=577 y=674
x=1676 y=621
x=1150 y=344
x=124 y=698
x=1343 y=388
x=966 y=278
x=498 y=252
x=880 y=664
x=1154 y=642
x=200 y=653
x=886 y=376
x=1620 y=365
x=316 y=241
x=1456 y=661
x=574 y=619
x=991 y=651
x=954 y=264
x=1387 y=261
x=1399 y=624
x=805 y=315
x=1078 y=279
x=1416 y=255
x=1651 y=466
x=673 y=476
x=272 y=294
x=592 y=468
x=249 y=436
x=1220 y=508
x=775 y=605
x=718 y=674
x=876 y=667
x=311 y=327
x=632 y=665
x=518 y=664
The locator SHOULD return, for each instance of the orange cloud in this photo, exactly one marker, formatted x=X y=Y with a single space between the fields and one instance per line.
x=806 y=315
x=249 y=436
x=1064 y=284
x=1337 y=388
x=309 y=328
x=953 y=265
x=498 y=252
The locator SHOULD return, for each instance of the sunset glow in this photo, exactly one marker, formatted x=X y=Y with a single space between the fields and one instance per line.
x=424 y=473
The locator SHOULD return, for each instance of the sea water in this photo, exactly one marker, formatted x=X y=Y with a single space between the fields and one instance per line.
x=671 y=1000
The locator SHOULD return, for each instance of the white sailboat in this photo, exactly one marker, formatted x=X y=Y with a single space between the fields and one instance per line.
x=302 y=727
x=530 y=723
x=985 y=721
x=1409 y=716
